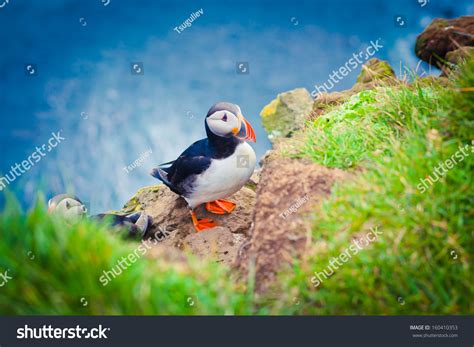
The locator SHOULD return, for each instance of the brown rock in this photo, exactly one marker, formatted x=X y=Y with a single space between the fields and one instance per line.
x=375 y=70
x=333 y=98
x=173 y=227
x=286 y=113
x=443 y=36
x=288 y=196
x=456 y=57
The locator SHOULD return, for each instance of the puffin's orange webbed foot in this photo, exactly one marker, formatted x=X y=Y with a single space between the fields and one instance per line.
x=202 y=224
x=220 y=206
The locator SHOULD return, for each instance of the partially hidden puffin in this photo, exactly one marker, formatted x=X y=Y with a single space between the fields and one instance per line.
x=213 y=168
x=72 y=209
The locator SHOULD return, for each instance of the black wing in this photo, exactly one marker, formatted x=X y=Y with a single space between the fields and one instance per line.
x=180 y=176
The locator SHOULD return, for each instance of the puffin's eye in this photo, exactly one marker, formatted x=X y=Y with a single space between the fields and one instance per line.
x=224 y=117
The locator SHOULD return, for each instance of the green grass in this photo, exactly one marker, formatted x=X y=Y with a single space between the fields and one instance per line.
x=397 y=137
x=54 y=266
x=343 y=136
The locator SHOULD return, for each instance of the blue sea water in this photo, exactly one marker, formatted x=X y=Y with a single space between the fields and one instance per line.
x=83 y=52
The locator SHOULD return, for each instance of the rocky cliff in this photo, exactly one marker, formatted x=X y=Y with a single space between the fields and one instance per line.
x=275 y=211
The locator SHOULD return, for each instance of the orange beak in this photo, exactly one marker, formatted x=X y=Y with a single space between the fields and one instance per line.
x=246 y=132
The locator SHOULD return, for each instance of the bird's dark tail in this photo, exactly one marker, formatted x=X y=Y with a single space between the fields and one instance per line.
x=160 y=174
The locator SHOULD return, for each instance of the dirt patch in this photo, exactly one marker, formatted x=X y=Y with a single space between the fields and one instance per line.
x=218 y=244
x=288 y=194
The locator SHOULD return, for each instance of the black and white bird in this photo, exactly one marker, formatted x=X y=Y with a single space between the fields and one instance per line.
x=213 y=168
x=72 y=209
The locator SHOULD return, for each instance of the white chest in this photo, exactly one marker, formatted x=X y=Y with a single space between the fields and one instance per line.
x=224 y=177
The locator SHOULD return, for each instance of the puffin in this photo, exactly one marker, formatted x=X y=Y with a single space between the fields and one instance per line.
x=72 y=209
x=213 y=168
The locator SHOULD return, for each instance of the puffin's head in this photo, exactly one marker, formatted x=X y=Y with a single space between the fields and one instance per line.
x=225 y=119
x=68 y=206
